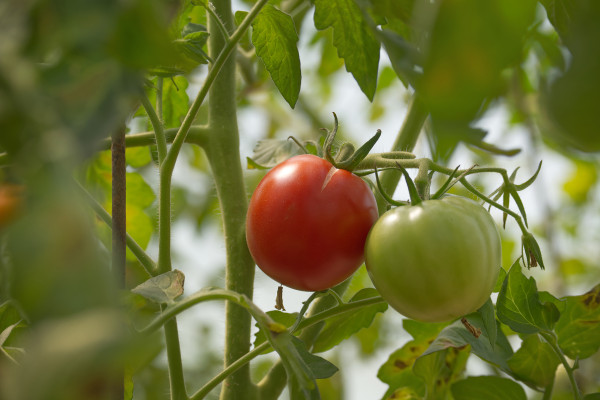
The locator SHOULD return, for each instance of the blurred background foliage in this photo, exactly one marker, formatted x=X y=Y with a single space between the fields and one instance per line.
x=496 y=76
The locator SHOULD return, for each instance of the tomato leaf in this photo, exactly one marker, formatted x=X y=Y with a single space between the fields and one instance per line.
x=397 y=371
x=163 y=288
x=519 y=306
x=535 y=362
x=350 y=32
x=438 y=370
x=578 y=328
x=403 y=56
x=342 y=327
x=274 y=37
x=500 y=280
x=487 y=387
x=270 y=152
x=301 y=366
x=456 y=335
x=489 y=321
x=285 y=319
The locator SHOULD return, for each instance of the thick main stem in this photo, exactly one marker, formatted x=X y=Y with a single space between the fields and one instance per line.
x=405 y=141
x=223 y=154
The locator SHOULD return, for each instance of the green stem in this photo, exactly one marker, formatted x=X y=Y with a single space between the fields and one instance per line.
x=549 y=388
x=159 y=133
x=197 y=135
x=271 y=386
x=233 y=367
x=213 y=72
x=176 y=378
x=405 y=141
x=136 y=249
x=550 y=337
x=170 y=312
x=224 y=158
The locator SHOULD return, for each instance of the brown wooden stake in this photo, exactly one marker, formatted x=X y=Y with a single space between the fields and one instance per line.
x=118 y=230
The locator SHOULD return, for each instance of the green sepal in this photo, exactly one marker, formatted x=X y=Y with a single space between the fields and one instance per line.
x=360 y=154
x=329 y=141
x=412 y=189
x=386 y=196
x=533 y=254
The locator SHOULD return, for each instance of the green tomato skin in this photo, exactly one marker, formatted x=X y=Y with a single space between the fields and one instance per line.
x=436 y=261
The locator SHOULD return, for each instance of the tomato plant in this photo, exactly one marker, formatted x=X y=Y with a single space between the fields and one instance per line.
x=308 y=221
x=435 y=261
x=127 y=123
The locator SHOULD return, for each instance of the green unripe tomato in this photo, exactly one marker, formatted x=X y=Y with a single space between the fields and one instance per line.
x=435 y=261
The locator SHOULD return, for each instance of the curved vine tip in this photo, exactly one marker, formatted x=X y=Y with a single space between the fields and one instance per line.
x=329 y=140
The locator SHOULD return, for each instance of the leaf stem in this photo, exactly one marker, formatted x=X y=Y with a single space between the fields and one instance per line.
x=405 y=141
x=213 y=72
x=159 y=133
x=550 y=337
x=136 y=249
x=221 y=294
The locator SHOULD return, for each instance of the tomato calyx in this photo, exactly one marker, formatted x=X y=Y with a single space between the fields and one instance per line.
x=347 y=158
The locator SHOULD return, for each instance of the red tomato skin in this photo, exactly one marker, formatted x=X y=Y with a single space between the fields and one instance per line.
x=308 y=222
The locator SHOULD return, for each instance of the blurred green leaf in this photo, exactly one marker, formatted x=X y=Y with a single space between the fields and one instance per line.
x=470 y=43
x=162 y=288
x=350 y=32
x=519 y=307
x=578 y=328
x=138 y=157
x=581 y=181
x=570 y=100
x=128 y=385
x=341 y=328
x=487 y=387
x=456 y=335
x=559 y=14
x=534 y=362
x=274 y=37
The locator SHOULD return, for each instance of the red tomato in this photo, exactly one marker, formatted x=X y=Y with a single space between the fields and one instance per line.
x=308 y=222
x=11 y=198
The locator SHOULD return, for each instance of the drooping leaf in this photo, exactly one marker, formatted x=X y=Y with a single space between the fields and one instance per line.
x=192 y=46
x=350 y=32
x=319 y=367
x=535 y=362
x=456 y=335
x=341 y=328
x=270 y=152
x=274 y=37
x=163 y=288
x=487 y=387
x=519 y=307
x=559 y=14
x=488 y=318
x=283 y=318
x=578 y=328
